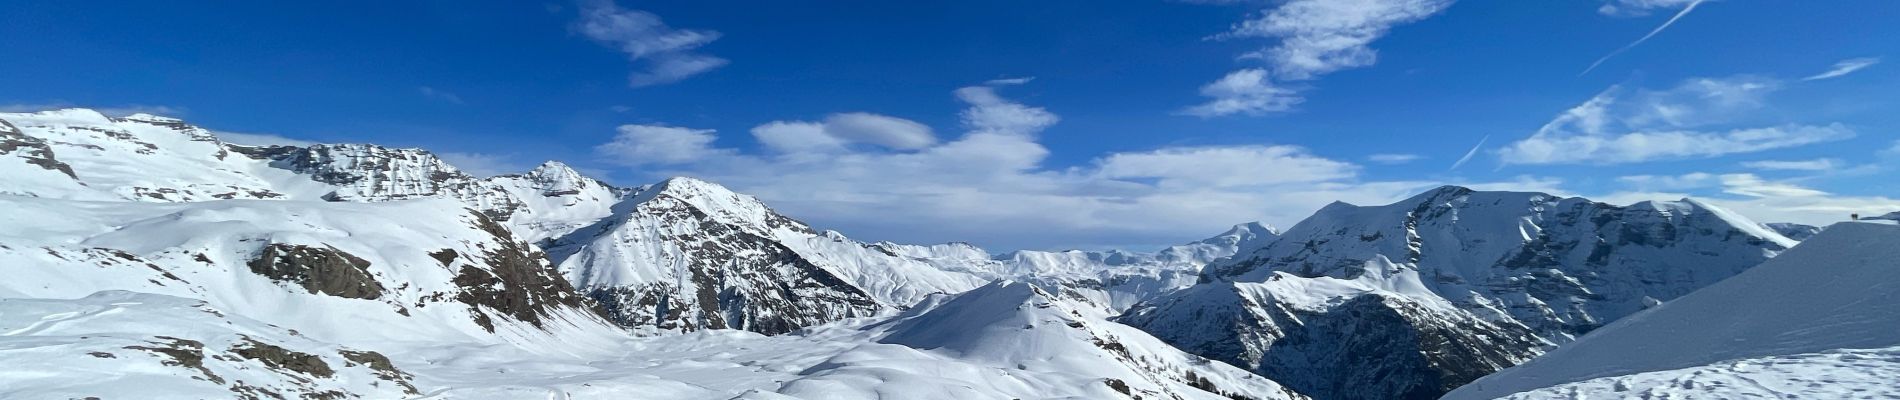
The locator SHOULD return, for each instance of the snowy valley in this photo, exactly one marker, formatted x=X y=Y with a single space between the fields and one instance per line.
x=146 y=258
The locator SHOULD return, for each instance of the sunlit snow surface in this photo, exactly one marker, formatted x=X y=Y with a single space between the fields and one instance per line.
x=1788 y=327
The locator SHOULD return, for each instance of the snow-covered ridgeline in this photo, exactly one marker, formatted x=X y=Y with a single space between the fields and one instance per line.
x=1835 y=291
x=1495 y=277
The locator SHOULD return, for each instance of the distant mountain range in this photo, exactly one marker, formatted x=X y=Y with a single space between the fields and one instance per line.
x=145 y=255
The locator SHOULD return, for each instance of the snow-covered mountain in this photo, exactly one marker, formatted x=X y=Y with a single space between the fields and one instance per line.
x=1816 y=322
x=1475 y=281
x=143 y=249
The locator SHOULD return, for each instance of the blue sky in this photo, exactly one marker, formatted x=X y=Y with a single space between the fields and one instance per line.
x=1045 y=124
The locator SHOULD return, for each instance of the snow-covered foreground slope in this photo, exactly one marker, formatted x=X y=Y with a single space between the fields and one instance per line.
x=126 y=345
x=1468 y=281
x=1778 y=322
x=1840 y=374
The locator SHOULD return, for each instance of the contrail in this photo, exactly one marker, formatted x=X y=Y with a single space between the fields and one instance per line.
x=1652 y=33
x=1469 y=154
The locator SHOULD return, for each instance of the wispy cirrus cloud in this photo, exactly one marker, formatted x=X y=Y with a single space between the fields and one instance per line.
x=1315 y=37
x=665 y=54
x=440 y=95
x=1621 y=126
x=1819 y=164
x=1638 y=8
x=1844 y=67
x=1394 y=158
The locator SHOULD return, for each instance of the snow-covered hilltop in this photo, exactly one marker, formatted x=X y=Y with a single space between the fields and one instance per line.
x=1472 y=281
x=1828 y=309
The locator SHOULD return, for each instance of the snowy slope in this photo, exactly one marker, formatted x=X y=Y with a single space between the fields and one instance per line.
x=418 y=271
x=1837 y=374
x=1834 y=291
x=1012 y=340
x=1535 y=269
x=116 y=344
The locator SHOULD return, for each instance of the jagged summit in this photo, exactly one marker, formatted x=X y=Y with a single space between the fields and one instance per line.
x=718 y=202
x=1546 y=266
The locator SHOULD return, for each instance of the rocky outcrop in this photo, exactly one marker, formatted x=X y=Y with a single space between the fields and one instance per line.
x=31 y=149
x=514 y=279
x=323 y=270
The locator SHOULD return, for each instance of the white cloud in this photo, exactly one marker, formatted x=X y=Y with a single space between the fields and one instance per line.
x=1394 y=159
x=658 y=144
x=1316 y=37
x=667 y=53
x=887 y=131
x=1221 y=167
x=114 y=111
x=839 y=130
x=1470 y=153
x=442 y=95
x=1642 y=7
x=1618 y=126
x=1760 y=199
x=1010 y=81
x=991 y=184
x=1637 y=8
x=1246 y=91
x=989 y=113
x=1651 y=146
x=1843 y=68
x=797 y=137
x=1321 y=36
x=1820 y=164
x=1754 y=186
x=1689 y=181
x=259 y=139
x=483 y=165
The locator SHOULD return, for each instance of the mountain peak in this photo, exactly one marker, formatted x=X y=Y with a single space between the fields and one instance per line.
x=719 y=202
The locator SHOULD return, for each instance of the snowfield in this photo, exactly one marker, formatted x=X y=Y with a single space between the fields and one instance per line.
x=1782 y=324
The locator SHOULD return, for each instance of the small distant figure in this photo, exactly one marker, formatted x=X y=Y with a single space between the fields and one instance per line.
x=1856 y=217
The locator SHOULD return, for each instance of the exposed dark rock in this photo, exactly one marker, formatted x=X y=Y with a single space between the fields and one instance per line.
x=33 y=150
x=517 y=280
x=182 y=353
x=384 y=369
x=1368 y=347
x=323 y=270
x=283 y=360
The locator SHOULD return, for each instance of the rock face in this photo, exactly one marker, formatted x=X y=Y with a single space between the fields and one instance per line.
x=32 y=150
x=1336 y=339
x=323 y=270
x=1501 y=277
x=517 y=280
